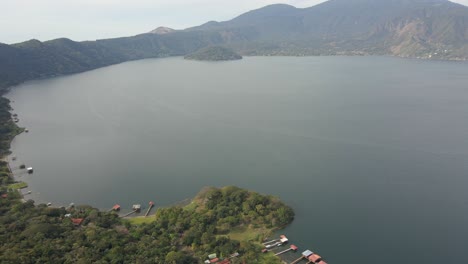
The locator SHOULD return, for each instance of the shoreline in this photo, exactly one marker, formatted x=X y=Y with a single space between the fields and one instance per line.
x=7 y=159
x=6 y=88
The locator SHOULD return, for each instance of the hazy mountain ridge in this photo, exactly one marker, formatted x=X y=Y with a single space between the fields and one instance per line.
x=162 y=30
x=34 y=59
x=408 y=28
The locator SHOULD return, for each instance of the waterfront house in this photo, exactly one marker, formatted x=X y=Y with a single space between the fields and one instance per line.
x=77 y=221
x=314 y=258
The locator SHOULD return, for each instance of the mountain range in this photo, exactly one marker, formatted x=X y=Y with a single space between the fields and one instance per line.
x=430 y=29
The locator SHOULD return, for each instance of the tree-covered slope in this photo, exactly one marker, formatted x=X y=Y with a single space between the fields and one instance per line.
x=175 y=235
x=214 y=53
x=34 y=59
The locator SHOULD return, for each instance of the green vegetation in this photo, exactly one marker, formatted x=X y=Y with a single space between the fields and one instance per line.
x=18 y=185
x=141 y=220
x=34 y=59
x=249 y=233
x=8 y=128
x=215 y=53
x=173 y=235
x=216 y=221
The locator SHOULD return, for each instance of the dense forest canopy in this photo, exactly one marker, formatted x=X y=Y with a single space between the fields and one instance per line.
x=214 y=53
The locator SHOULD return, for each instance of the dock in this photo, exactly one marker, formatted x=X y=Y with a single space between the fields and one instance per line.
x=276 y=242
x=132 y=212
x=136 y=208
x=311 y=257
x=151 y=204
x=292 y=247
x=271 y=241
x=304 y=255
x=278 y=247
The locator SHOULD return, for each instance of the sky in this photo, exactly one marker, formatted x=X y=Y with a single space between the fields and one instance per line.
x=79 y=20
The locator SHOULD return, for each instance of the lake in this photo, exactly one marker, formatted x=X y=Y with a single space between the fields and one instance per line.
x=371 y=152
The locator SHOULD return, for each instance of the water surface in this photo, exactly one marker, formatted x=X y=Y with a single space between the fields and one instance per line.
x=371 y=152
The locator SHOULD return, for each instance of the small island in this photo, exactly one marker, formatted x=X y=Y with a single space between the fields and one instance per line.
x=214 y=53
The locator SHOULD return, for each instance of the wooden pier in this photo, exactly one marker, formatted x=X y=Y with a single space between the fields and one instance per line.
x=304 y=255
x=292 y=247
x=271 y=241
x=132 y=212
x=136 y=207
x=151 y=204
x=297 y=260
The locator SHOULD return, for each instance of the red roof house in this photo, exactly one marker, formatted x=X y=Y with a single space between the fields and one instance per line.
x=77 y=221
x=314 y=258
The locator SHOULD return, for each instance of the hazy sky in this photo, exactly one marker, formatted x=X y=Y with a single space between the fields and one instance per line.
x=95 y=19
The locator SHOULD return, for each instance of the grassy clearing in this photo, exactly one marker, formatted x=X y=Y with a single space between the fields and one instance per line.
x=191 y=206
x=255 y=235
x=248 y=234
x=145 y=220
x=18 y=185
x=141 y=220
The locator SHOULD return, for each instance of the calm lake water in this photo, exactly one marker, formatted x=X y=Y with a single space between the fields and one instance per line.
x=371 y=152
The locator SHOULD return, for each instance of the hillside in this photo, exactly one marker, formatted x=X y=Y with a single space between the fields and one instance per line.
x=34 y=59
x=162 y=30
x=429 y=29
x=407 y=28
x=214 y=53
